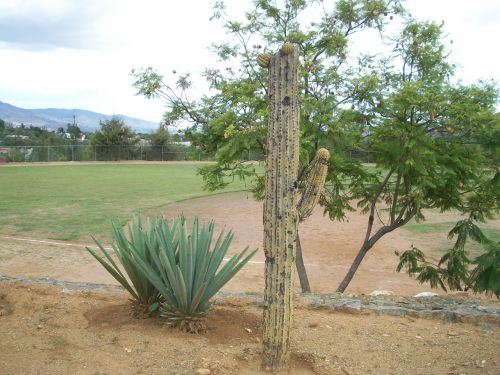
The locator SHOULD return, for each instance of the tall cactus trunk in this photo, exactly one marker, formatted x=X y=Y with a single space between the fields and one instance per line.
x=280 y=206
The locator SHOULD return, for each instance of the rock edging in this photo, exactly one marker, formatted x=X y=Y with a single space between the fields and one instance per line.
x=447 y=308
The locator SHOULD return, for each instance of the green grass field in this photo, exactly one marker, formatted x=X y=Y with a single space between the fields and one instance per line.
x=71 y=202
x=474 y=249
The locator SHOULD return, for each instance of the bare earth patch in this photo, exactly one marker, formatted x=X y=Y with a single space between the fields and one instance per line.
x=49 y=332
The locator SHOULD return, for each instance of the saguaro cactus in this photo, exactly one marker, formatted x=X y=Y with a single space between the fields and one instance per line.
x=280 y=205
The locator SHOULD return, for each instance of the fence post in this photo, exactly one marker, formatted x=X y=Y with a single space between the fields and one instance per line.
x=48 y=154
x=161 y=152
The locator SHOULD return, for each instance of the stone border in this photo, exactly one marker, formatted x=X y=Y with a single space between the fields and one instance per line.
x=448 y=308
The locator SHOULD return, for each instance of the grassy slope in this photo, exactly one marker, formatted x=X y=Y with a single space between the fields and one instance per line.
x=73 y=201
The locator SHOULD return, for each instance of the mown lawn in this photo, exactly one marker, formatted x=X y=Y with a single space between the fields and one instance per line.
x=71 y=202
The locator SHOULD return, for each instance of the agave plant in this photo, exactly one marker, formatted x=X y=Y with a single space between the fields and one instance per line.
x=187 y=272
x=141 y=243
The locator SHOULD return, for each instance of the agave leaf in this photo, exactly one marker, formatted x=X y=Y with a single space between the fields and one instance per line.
x=170 y=277
x=181 y=291
x=202 y=258
x=135 y=274
x=167 y=245
x=159 y=260
x=217 y=256
x=108 y=257
x=153 y=277
x=187 y=270
x=197 y=298
x=227 y=272
x=117 y=275
x=153 y=307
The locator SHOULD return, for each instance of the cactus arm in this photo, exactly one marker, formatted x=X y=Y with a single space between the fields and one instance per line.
x=314 y=183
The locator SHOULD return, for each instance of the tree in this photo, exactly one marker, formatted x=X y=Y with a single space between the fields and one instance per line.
x=232 y=122
x=114 y=132
x=424 y=132
x=456 y=270
x=161 y=137
x=112 y=139
x=434 y=142
x=2 y=129
x=74 y=131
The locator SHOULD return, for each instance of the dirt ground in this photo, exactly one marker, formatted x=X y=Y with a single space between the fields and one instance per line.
x=44 y=331
x=328 y=247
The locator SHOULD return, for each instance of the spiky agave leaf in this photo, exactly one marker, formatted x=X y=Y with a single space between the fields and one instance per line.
x=140 y=245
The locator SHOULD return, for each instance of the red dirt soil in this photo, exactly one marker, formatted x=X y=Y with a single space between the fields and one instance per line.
x=46 y=332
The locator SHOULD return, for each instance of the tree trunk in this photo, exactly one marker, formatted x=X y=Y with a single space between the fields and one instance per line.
x=301 y=269
x=280 y=206
x=354 y=267
x=368 y=244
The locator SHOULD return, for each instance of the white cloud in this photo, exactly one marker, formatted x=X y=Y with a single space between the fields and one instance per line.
x=48 y=24
x=78 y=54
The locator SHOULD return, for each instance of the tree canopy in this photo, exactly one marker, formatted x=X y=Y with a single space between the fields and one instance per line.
x=114 y=132
x=434 y=142
x=161 y=137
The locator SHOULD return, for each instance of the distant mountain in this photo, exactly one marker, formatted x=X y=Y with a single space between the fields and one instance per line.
x=53 y=118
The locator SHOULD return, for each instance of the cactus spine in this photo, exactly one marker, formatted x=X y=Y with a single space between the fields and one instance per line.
x=280 y=206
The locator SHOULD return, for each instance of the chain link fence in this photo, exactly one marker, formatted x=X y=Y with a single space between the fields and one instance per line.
x=83 y=153
x=63 y=153
x=89 y=153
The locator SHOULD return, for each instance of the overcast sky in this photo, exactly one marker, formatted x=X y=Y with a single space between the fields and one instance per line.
x=79 y=54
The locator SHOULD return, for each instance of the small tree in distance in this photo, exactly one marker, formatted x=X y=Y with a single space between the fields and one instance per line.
x=161 y=137
x=112 y=137
x=114 y=132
